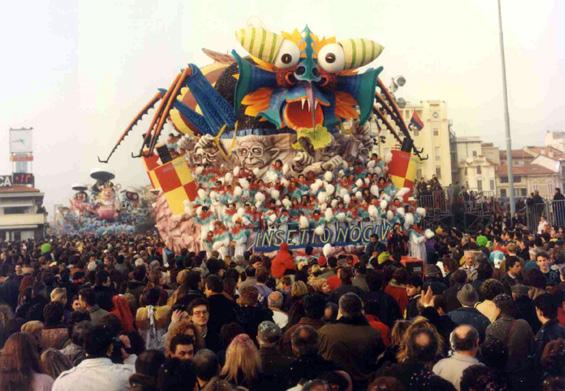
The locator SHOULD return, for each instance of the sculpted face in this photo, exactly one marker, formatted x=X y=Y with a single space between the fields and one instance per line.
x=256 y=152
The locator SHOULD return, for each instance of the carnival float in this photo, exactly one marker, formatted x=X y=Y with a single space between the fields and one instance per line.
x=104 y=207
x=277 y=144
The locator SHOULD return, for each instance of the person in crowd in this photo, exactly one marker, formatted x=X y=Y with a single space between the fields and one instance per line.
x=275 y=303
x=546 y=311
x=470 y=265
x=243 y=364
x=147 y=368
x=479 y=377
x=275 y=365
x=513 y=273
x=20 y=368
x=206 y=366
x=413 y=291
x=97 y=371
x=543 y=261
x=464 y=342
x=182 y=347
x=488 y=290
x=314 y=306
x=222 y=309
x=53 y=362
x=176 y=375
x=87 y=302
x=151 y=319
x=351 y=342
x=518 y=337
x=251 y=314
x=199 y=315
x=467 y=313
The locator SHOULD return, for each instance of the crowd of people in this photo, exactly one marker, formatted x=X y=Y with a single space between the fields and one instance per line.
x=482 y=312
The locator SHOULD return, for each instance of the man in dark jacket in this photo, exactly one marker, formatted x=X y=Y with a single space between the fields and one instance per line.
x=518 y=337
x=389 y=311
x=275 y=365
x=468 y=314
x=546 y=311
x=309 y=364
x=250 y=315
x=350 y=342
x=314 y=305
x=222 y=309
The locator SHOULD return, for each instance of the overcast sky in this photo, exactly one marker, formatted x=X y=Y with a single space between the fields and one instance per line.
x=78 y=71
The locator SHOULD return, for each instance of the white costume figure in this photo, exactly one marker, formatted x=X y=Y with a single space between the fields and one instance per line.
x=417 y=245
x=240 y=237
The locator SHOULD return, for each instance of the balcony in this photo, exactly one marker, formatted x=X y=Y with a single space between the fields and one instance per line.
x=17 y=220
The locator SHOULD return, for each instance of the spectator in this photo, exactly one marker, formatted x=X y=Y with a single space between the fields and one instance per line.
x=54 y=334
x=464 y=341
x=413 y=291
x=243 y=363
x=546 y=311
x=87 y=300
x=275 y=365
x=480 y=377
x=53 y=362
x=222 y=309
x=182 y=347
x=206 y=367
x=518 y=337
x=274 y=303
x=351 y=342
x=146 y=371
x=97 y=371
x=488 y=290
x=19 y=366
x=151 y=320
x=250 y=314
x=468 y=314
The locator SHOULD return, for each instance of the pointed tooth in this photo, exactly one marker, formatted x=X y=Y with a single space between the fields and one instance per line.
x=316 y=105
x=308 y=104
x=303 y=100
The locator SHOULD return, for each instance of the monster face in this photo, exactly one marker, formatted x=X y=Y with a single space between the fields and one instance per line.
x=301 y=81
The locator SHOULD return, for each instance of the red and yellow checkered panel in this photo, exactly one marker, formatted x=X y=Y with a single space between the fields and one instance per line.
x=151 y=163
x=402 y=169
x=176 y=181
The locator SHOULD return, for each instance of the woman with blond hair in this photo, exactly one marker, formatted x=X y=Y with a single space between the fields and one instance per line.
x=54 y=362
x=243 y=364
x=420 y=323
x=19 y=366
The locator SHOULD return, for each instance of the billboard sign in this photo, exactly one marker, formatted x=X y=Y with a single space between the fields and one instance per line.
x=21 y=141
x=5 y=180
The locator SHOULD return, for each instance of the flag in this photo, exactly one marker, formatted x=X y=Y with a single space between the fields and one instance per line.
x=416 y=121
x=402 y=170
x=175 y=180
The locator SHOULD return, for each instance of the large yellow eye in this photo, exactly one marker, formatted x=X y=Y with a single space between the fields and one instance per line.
x=288 y=55
x=331 y=58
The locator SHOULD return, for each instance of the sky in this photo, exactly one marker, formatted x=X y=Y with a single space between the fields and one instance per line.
x=78 y=71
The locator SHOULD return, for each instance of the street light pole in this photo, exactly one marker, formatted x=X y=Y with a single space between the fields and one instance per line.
x=506 y=116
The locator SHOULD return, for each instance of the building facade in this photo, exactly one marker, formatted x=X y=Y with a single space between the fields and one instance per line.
x=22 y=215
x=434 y=138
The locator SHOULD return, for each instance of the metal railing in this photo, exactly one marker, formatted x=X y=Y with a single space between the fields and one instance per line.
x=552 y=210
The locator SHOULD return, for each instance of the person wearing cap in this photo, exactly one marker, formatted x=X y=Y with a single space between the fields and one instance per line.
x=275 y=365
x=518 y=337
x=350 y=342
x=467 y=313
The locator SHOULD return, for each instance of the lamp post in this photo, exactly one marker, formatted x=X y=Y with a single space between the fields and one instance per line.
x=506 y=116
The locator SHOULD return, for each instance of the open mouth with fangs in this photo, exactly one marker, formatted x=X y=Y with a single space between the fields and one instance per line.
x=303 y=109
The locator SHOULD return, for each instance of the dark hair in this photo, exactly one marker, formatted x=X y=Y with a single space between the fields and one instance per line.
x=151 y=296
x=79 y=332
x=511 y=261
x=458 y=277
x=88 y=295
x=214 y=283
x=415 y=280
x=553 y=357
x=97 y=341
x=350 y=305
x=304 y=340
x=494 y=353
x=176 y=375
x=547 y=304
x=53 y=313
x=481 y=377
x=400 y=275
x=505 y=304
x=180 y=339
x=490 y=288
x=139 y=273
x=198 y=301
x=332 y=261
x=206 y=364
x=314 y=305
x=192 y=280
x=101 y=277
x=542 y=254
x=535 y=278
x=374 y=280
x=465 y=343
x=229 y=331
x=149 y=362
x=484 y=270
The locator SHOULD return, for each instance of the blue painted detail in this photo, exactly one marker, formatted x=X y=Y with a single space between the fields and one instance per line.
x=195 y=119
x=215 y=109
x=362 y=88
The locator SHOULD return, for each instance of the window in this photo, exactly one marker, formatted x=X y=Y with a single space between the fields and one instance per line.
x=465 y=170
x=517 y=178
x=436 y=132
x=15 y=210
x=438 y=172
x=438 y=153
x=523 y=192
x=503 y=179
x=480 y=185
x=479 y=170
x=474 y=153
x=492 y=184
x=503 y=192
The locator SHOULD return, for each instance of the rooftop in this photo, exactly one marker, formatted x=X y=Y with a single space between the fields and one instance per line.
x=530 y=169
x=516 y=154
